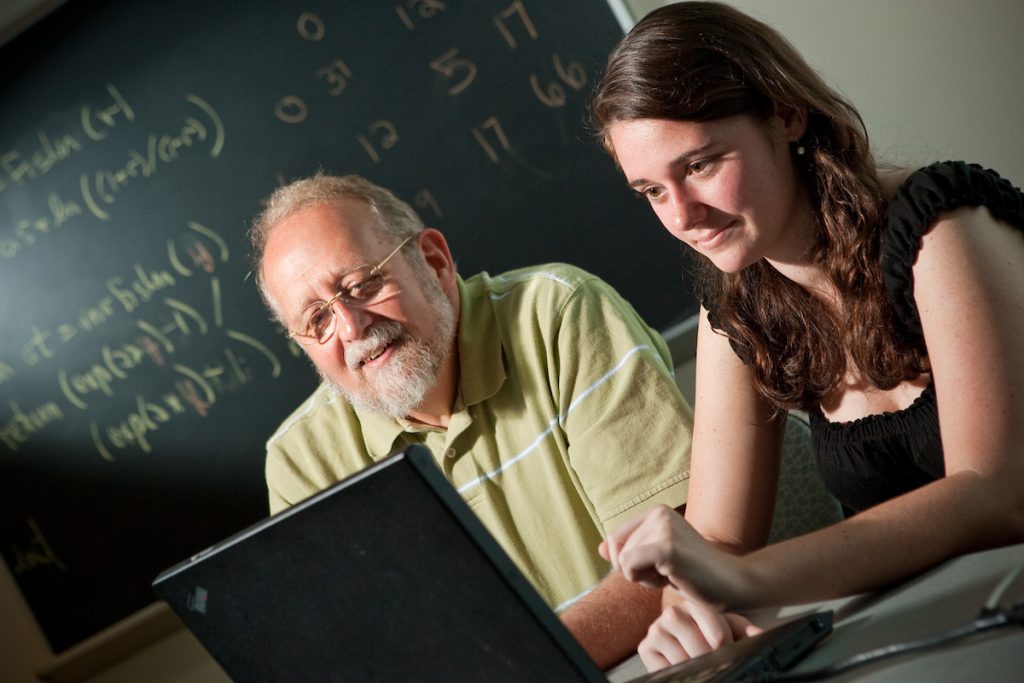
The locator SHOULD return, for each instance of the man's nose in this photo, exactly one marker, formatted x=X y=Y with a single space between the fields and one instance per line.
x=351 y=321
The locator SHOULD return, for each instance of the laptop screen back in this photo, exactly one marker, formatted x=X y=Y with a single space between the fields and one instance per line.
x=372 y=580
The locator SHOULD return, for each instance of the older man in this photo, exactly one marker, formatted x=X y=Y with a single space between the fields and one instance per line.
x=546 y=401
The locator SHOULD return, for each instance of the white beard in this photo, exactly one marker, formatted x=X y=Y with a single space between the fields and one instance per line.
x=398 y=387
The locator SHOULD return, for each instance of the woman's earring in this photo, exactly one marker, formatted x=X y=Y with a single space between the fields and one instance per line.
x=801 y=150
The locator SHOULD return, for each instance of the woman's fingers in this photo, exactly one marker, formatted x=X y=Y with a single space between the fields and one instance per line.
x=612 y=547
x=683 y=631
x=741 y=627
x=652 y=531
x=647 y=563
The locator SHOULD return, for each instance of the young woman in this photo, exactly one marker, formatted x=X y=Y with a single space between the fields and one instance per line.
x=894 y=316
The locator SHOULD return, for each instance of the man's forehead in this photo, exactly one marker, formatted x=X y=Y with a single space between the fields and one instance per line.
x=348 y=225
x=318 y=244
x=349 y=215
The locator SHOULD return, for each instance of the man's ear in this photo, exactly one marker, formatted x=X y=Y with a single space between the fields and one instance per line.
x=438 y=257
x=789 y=121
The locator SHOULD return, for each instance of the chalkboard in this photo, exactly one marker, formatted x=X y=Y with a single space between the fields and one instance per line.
x=139 y=374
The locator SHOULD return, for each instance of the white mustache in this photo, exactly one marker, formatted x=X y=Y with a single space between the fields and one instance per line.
x=376 y=339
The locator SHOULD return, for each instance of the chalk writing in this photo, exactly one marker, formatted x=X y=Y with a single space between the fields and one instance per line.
x=575 y=76
x=101 y=188
x=22 y=425
x=115 y=364
x=97 y=123
x=494 y=126
x=337 y=74
x=423 y=9
x=516 y=8
x=310 y=27
x=134 y=429
x=198 y=252
x=291 y=109
x=386 y=137
x=425 y=199
x=6 y=372
x=196 y=388
x=15 y=169
x=38 y=553
x=129 y=295
x=27 y=231
x=449 y=63
x=141 y=289
x=126 y=296
x=37 y=348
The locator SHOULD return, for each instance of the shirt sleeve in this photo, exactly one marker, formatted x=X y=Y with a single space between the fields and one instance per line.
x=628 y=428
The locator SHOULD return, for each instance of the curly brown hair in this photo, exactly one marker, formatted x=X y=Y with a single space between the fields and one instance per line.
x=704 y=61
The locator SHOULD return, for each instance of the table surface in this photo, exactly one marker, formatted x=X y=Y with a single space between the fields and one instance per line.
x=948 y=596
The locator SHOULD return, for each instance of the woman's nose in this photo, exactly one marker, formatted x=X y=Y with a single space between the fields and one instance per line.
x=684 y=211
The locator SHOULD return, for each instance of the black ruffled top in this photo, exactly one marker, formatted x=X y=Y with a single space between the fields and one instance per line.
x=875 y=458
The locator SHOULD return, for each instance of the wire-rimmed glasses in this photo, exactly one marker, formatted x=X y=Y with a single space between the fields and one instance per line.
x=357 y=288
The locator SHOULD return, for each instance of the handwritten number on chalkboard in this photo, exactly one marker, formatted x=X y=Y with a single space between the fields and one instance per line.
x=291 y=109
x=310 y=27
x=387 y=137
x=449 y=63
x=425 y=199
x=424 y=8
x=575 y=76
x=337 y=75
x=494 y=125
x=515 y=8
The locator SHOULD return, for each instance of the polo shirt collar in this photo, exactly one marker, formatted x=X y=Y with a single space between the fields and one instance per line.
x=379 y=433
x=481 y=367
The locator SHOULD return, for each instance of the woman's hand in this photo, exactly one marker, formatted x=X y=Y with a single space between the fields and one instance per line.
x=688 y=629
x=660 y=548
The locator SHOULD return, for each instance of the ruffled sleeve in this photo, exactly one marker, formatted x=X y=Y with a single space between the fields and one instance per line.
x=943 y=186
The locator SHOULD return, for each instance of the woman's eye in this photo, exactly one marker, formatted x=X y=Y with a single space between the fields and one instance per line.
x=700 y=167
x=652 y=193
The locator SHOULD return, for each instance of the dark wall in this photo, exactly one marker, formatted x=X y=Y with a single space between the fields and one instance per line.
x=139 y=374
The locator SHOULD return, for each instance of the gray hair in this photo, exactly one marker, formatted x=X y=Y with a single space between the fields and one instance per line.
x=394 y=216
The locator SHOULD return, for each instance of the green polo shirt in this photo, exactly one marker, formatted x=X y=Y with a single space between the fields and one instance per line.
x=567 y=422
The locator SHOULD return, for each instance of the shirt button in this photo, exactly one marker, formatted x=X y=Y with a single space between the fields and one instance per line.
x=450 y=453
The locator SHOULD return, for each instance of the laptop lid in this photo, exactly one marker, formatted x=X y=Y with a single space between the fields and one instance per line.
x=385 y=576
x=389 y=576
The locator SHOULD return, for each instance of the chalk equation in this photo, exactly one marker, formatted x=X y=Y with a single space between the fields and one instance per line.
x=162 y=321
x=97 y=190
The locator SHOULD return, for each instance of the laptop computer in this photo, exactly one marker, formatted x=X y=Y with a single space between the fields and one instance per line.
x=389 y=576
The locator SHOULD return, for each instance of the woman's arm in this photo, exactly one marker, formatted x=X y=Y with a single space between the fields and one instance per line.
x=969 y=287
x=733 y=479
x=737 y=443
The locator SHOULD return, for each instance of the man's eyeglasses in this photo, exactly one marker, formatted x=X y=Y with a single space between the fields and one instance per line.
x=360 y=287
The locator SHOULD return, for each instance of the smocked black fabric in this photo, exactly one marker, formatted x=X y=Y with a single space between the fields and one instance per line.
x=927 y=193
x=873 y=459
x=878 y=457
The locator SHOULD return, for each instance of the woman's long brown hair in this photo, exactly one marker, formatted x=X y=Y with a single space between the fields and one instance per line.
x=704 y=61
